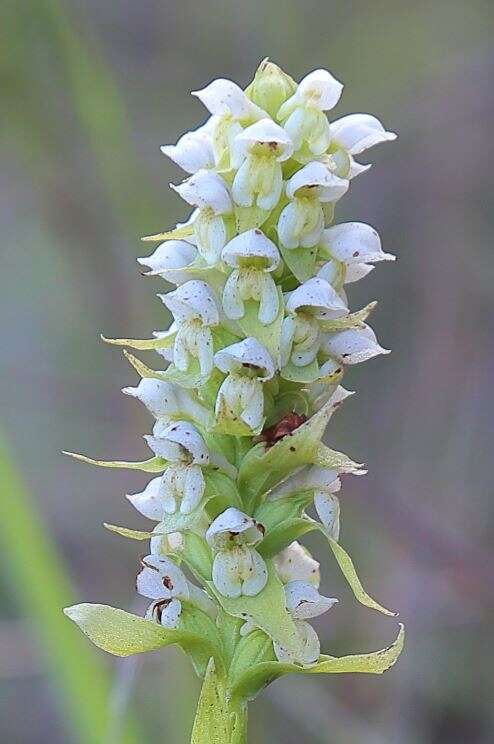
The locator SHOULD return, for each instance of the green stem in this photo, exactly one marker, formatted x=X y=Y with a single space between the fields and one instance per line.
x=219 y=719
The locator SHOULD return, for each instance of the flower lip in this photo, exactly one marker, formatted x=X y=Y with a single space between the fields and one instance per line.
x=234 y=523
x=317 y=295
x=193 y=300
x=246 y=354
x=265 y=132
x=316 y=175
x=222 y=97
x=205 y=190
x=170 y=255
x=251 y=244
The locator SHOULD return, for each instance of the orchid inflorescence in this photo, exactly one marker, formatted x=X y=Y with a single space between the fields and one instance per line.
x=260 y=340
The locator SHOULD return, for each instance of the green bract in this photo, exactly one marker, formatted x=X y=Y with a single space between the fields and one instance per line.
x=250 y=375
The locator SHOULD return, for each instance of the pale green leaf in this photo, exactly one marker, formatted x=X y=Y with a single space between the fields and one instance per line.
x=177 y=234
x=300 y=261
x=142 y=344
x=153 y=465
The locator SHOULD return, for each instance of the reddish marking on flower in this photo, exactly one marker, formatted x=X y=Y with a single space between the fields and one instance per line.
x=284 y=427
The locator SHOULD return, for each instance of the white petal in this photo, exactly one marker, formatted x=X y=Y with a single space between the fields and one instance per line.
x=172 y=254
x=225 y=574
x=265 y=131
x=205 y=351
x=253 y=408
x=295 y=563
x=290 y=225
x=225 y=97
x=170 y=614
x=355 y=243
x=159 y=397
x=317 y=175
x=242 y=192
x=210 y=234
x=234 y=522
x=311 y=648
x=149 y=502
x=193 y=300
x=318 y=295
x=270 y=301
x=193 y=489
x=205 y=189
x=247 y=352
x=251 y=244
x=353 y=346
x=257 y=575
x=286 y=340
x=355 y=272
x=358 y=132
x=303 y=601
x=356 y=169
x=161 y=578
x=193 y=151
x=321 y=89
x=189 y=440
x=328 y=510
x=233 y=304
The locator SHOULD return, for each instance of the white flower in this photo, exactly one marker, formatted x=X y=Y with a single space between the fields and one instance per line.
x=238 y=569
x=352 y=346
x=301 y=335
x=301 y=223
x=357 y=132
x=241 y=396
x=253 y=256
x=224 y=97
x=208 y=192
x=259 y=180
x=303 y=114
x=194 y=150
x=326 y=502
x=180 y=442
x=232 y=111
x=164 y=582
x=170 y=260
x=167 y=401
x=354 y=245
x=296 y=563
x=193 y=306
x=303 y=601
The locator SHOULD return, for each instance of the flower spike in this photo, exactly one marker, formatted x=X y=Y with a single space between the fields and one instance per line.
x=261 y=337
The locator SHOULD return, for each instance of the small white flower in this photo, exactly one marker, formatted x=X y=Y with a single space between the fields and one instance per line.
x=259 y=180
x=301 y=335
x=180 y=442
x=301 y=222
x=164 y=582
x=167 y=401
x=296 y=563
x=194 y=150
x=352 y=346
x=149 y=502
x=248 y=357
x=241 y=396
x=303 y=114
x=253 y=256
x=303 y=601
x=356 y=246
x=224 y=97
x=357 y=132
x=208 y=192
x=193 y=306
x=170 y=260
x=238 y=569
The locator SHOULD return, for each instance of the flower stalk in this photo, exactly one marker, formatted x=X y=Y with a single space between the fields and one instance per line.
x=261 y=337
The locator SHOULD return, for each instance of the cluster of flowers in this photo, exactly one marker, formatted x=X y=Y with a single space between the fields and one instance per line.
x=260 y=339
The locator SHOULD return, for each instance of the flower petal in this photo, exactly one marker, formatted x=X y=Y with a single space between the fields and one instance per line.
x=319 y=296
x=149 y=502
x=355 y=243
x=295 y=563
x=353 y=346
x=194 y=150
x=303 y=601
x=265 y=131
x=161 y=578
x=246 y=353
x=358 y=132
x=225 y=97
x=234 y=522
x=251 y=244
x=193 y=300
x=316 y=175
x=204 y=190
x=170 y=255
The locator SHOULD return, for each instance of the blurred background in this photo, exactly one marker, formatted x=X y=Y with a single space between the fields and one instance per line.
x=90 y=90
